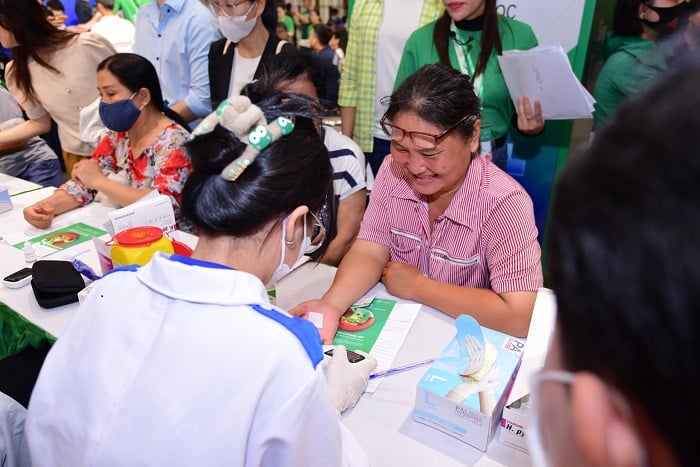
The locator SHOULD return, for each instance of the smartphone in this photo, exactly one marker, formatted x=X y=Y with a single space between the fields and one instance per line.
x=18 y=279
x=353 y=357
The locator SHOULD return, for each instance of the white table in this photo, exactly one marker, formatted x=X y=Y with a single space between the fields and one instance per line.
x=382 y=422
x=16 y=185
x=22 y=300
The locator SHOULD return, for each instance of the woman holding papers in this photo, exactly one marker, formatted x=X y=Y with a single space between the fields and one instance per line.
x=141 y=152
x=443 y=227
x=467 y=37
x=184 y=361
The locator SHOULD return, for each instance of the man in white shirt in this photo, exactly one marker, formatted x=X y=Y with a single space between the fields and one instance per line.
x=115 y=29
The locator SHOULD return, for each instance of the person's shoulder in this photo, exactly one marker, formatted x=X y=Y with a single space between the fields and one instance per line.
x=514 y=24
x=520 y=33
x=333 y=140
x=423 y=33
x=94 y=40
x=495 y=184
x=218 y=48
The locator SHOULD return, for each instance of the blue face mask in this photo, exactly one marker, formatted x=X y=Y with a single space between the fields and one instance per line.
x=120 y=115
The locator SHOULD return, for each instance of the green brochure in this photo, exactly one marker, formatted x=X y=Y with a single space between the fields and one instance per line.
x=63 y=238
x=360 y=326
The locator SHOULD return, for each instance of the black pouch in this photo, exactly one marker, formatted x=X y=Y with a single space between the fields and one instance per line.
x=56 y=283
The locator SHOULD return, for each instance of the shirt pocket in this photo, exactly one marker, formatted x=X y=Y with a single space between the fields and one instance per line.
x=456 y=270
x=405 y=247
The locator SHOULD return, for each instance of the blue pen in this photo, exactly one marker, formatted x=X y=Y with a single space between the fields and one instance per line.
x=402 y=368
x=85 y=270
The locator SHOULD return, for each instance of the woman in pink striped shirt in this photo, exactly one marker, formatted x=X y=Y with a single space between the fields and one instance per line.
x=443 y=227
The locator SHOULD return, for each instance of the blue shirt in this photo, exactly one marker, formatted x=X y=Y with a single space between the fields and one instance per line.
x=177 y=45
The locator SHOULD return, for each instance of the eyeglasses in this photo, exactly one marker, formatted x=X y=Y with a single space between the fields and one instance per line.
x=228 y=8
x=418 y=138
x=318 y=233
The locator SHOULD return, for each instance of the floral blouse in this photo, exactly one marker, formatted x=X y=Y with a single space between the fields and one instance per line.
x=163 y=165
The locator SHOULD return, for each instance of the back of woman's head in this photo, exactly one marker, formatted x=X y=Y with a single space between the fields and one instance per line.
x=26 y=20
x=439 y=95
x=135 y=72
x=292 y=171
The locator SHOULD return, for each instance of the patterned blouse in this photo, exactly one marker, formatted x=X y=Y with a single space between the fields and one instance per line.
x=163 y=165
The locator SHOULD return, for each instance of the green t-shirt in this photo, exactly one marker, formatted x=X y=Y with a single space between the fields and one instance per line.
x=632 y=65
x=128 y=8
x=498 y=109
x=289 y=22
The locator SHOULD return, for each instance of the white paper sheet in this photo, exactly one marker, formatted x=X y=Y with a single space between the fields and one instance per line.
x=544 y=73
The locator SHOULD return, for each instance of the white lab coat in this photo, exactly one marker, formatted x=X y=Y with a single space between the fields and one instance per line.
x=169 y=365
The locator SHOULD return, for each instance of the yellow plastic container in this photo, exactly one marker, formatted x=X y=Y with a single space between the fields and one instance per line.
x=138 y=245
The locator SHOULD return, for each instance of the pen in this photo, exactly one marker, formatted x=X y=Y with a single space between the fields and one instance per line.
x=399 y=369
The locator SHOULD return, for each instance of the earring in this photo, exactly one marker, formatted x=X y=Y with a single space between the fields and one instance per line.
x=290 y=243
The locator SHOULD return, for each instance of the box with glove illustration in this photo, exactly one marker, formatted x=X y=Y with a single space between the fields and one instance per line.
x=464 y=391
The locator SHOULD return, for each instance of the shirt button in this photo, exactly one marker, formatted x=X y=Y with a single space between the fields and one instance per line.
x=67 y=91
x=159 y=35
x=157 y=58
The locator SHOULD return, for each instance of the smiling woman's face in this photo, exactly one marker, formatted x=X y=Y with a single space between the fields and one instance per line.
x=435 y=172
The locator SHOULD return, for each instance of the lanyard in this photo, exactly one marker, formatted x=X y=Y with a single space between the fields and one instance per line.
x=466 y=62
x=468 y=67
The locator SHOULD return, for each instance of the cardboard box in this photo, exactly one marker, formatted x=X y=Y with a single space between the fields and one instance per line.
x=514 y=418
x=435 y=402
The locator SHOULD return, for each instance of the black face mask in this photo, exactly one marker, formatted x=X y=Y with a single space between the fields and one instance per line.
x=671 y=19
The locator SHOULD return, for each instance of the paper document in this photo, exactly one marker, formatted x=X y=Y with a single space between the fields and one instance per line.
x=379 y=327
x=544 y=73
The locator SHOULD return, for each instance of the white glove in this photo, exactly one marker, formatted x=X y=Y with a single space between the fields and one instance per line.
x=347 y=381
x=467 y=387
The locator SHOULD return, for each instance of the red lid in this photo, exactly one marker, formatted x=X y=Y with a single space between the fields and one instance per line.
x=138 y=236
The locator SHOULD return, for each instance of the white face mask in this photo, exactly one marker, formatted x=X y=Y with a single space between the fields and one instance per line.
x=235 y=28
x=533 y=433
x=283 y=269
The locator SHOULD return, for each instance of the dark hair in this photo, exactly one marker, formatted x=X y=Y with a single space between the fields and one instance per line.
x=490 y=38
x=55 y=5
x=323 y=33
x=342 y=34
x=108 y=4
x=269 y=15
x=626 y=20
x=438 y=94
x=136 y=72
x=275 y=73
x=273 y=77
x=293 y=171
x=26 y=20
x=624 y=252
x=282 y=26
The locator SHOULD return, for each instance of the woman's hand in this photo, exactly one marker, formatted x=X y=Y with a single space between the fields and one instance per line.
x=40 y=215
x=88 y=173
x=402 y=280
x=529 y=123
x=331 y=317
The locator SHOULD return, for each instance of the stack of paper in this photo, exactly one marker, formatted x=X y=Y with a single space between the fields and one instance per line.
x=544 y=74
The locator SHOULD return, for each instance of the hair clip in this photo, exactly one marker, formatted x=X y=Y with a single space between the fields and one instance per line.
x=238 y=115
x=256 y=141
